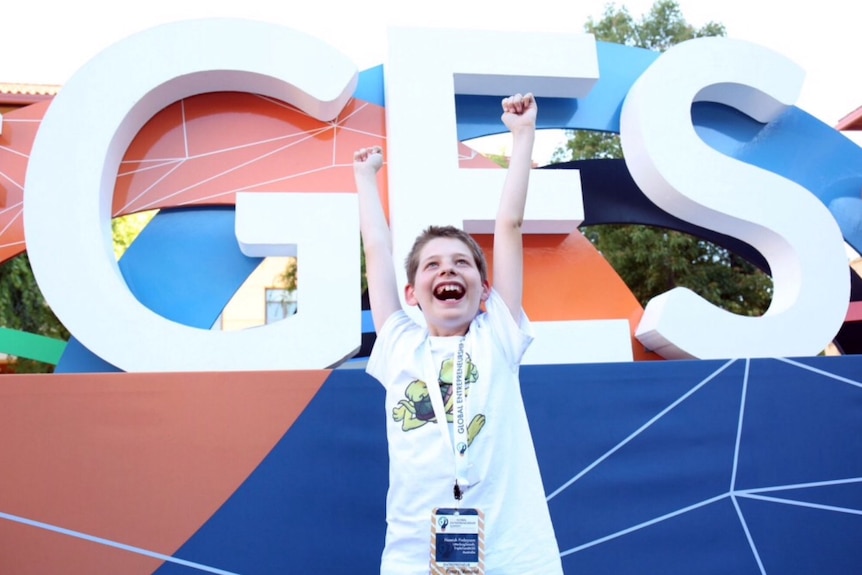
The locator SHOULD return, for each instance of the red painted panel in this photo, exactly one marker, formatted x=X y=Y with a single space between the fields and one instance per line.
x=141 y=459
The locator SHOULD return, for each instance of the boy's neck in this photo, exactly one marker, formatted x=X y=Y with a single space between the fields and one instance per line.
x=444 y=331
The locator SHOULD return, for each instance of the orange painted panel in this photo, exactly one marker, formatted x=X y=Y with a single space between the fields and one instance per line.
x=167 y=143
x=566 y=278
x=67 y=556
x=16 y=141
x=227 y=142
x=201 y=151
x=136 y=459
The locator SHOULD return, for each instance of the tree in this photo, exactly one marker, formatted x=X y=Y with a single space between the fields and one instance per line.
x=22 y=307
x=663 y=27
x=287 y=278
x=651 y=260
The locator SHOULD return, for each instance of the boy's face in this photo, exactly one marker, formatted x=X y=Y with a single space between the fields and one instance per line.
x=448 y=287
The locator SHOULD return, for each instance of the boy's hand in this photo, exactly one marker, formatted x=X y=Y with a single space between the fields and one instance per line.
x=519 y=112
x=368 y=160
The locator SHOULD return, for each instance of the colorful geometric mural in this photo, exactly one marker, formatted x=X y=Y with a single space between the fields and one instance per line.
x=672 y=467
x=680 y=467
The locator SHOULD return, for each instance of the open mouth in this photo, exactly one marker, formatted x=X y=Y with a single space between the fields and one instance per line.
x=449 y=291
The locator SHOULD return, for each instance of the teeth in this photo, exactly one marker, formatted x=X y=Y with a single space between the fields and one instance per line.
x=449 y=291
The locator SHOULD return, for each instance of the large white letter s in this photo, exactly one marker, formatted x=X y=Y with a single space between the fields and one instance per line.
x=785 y=222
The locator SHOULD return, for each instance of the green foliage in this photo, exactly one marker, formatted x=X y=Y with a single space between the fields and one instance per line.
x=587 y=145
x=501 y=160
x=650 y=260
x=22 y=307
x=658 y=30
x=287 y=278
x=363 y=277
x=663 y=27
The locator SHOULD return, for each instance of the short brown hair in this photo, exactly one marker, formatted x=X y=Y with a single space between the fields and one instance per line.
x=433 y=232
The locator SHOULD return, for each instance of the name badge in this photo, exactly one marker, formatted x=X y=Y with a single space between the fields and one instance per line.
x=457 y=541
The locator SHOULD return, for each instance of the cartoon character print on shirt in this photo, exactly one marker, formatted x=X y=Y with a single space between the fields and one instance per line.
x=417 y=410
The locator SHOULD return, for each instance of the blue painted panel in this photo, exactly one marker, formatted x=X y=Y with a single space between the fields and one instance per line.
x=658 y=467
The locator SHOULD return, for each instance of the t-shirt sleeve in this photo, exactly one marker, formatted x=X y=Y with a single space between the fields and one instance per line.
x=514 y=336
x=395 y=329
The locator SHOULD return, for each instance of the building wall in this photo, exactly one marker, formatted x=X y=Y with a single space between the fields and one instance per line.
x=248 y=306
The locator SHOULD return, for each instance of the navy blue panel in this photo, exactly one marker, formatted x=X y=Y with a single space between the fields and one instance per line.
x=794 y=540
x=840 y=494
x=569 y=407
x=838 y=367
x=796 y=425
x=674 y=433
x=708 y=540
x=317 y=503
x=180 y=567
x=651 y=448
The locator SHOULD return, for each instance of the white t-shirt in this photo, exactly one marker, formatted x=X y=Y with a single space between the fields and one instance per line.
x=503 y=473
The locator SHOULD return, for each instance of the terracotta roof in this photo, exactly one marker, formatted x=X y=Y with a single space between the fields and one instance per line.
x=852 y=121
x=25 y=94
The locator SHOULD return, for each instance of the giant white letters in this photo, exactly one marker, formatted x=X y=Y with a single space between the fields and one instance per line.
x=84 y=134
x=73 y=167
x=788 y=225
x=424 y=71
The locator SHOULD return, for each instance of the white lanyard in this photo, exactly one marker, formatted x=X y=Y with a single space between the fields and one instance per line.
x=460 y=416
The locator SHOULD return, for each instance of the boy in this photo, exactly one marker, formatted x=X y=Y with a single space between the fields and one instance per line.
x=457 y=430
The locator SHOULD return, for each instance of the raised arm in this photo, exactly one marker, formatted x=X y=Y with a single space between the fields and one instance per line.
x=376 y=237
x=519 y=115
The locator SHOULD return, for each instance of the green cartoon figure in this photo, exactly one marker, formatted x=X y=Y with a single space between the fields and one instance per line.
x=417 y=410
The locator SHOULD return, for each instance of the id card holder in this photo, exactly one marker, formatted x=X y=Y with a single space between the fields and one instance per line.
x=458 y=541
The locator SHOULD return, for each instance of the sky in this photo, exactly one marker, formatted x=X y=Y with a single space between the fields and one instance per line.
x=47 y=45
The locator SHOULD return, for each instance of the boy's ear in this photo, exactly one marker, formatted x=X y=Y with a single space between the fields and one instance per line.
x=410 y=295
x=486 y=290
